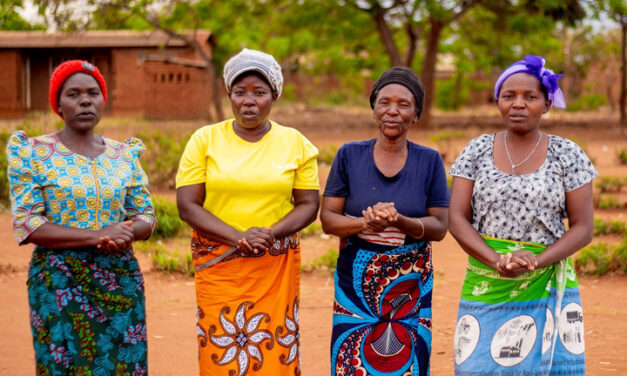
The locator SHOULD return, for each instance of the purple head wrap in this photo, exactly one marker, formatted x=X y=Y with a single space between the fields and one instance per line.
x=534 y=65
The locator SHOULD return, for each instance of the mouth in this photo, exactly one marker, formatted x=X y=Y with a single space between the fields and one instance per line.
x=249 y=114
x=517 y=117
x=86 y=115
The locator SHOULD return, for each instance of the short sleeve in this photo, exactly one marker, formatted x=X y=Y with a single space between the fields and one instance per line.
x=193 y=166
x=439 y=194
x=307 y=172
x=27 y=202
x=577 y=167
x=465 y=163
x=137 y=202
x=337 y=181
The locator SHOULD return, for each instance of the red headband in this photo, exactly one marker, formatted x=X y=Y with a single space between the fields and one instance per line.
x=64 y=71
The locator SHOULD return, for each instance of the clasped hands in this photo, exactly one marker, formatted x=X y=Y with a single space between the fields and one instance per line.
x=116 y=238
x=513 y=264
x=379 y=216
x=255 y=240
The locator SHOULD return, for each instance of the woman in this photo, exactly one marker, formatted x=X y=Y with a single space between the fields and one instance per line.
x=386 y=198
x=247 y=186
x=82 y=199
x=520 y=308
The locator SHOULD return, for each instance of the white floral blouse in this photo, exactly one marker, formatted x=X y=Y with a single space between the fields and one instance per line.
x=529 y=207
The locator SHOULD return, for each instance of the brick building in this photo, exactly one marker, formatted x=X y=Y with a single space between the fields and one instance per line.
x=147 y=73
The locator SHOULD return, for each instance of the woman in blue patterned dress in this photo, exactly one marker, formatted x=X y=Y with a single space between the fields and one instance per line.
x=82 y=199
x=386 y=198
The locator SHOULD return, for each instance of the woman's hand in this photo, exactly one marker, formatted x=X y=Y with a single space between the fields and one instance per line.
x=116 y=238
x=516 y=263
x=255 y=239
x=380 y=216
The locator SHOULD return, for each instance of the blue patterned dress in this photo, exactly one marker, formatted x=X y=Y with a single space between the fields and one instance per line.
x=87 y=309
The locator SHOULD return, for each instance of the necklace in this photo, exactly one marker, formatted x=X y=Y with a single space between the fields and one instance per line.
x=509 y=158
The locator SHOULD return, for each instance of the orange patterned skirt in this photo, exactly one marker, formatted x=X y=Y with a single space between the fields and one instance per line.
x=247 y=315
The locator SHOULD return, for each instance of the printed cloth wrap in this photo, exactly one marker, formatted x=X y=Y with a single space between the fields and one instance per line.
x=247 y=314
x=87 y=313
x=528 y=325
x=382 y=309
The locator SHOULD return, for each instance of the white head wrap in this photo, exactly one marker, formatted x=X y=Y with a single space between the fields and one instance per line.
x=251 y=60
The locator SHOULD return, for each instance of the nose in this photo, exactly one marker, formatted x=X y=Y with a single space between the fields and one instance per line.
x=519 y=102
x=85 y=100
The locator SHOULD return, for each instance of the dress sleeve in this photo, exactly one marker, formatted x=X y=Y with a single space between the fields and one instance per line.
x=577 y=167
x=439 y=194
x=337 y=181
x=27 y=201
x=307 y=171
x=137 y=202
x=465 y=163
x=193 y=165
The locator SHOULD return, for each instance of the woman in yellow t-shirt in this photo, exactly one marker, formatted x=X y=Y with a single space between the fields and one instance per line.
x=247 y=186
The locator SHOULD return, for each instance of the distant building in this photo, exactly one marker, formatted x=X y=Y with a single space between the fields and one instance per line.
x=147 y=72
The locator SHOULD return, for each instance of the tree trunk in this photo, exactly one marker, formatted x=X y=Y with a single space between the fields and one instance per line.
x=215 y=91
x=427 y=75
x=386 y=37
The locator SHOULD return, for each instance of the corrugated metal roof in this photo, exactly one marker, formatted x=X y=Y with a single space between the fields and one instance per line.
x=92 y=38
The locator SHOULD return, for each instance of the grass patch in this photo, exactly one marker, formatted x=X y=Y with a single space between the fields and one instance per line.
x=311 y=230
x=327 y=261
x=621 y=154
x=165 y=260
x=169 y=224
x=608 y=202
x=611 y=227
x=609 y=184
x=601 y=258
x=326 y=154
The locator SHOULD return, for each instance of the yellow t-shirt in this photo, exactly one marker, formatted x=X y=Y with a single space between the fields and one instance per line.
x=248 y=183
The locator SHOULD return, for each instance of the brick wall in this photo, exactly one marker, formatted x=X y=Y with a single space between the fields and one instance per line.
x=175 y=91
x=126 y=90
x=11 y=83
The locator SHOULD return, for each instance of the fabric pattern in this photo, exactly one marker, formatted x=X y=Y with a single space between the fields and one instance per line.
x=382 y=309
x=50 y=183
x=532 y=323
x=529 y=207
x=87 y=309
x=247 y=315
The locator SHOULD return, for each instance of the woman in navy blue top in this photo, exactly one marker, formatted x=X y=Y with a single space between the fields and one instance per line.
x=386 y=199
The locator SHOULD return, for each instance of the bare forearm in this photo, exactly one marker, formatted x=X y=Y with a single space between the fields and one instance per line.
x=341 y=225
x=55 y=236
x=297 y=219
x=430 y=229
x=472 y=243
x=573 y=240
x=141 y=229
x=208 y=225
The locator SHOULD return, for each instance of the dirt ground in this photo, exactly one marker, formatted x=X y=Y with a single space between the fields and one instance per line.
x=171 y=302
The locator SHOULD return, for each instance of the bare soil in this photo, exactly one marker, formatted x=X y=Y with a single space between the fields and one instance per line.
x=171 y=302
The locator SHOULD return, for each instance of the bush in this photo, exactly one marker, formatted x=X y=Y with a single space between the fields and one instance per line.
x=327 y=261
x=312 y=229
x=610 y=184
x=594 y=259
x=165 y=261
x=444 y=141
x=587 y=102
x=169 y=224
x=621 y=154
x=615 y=226
x=4 y=179
x=161 y=159
x=326 y=154
x=608 y=202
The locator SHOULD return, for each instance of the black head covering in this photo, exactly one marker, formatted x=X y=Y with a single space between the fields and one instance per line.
x=402 y=76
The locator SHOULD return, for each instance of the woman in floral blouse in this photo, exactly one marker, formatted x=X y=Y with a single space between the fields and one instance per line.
x=82 y=199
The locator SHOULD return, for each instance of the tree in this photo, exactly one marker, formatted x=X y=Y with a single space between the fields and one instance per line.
x=10 y=19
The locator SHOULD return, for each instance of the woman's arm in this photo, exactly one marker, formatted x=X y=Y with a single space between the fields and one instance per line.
x=431 y=227
x=306 y=204
x=580 y=222
x=460 y=219
x=55 y=236
x=334 y=221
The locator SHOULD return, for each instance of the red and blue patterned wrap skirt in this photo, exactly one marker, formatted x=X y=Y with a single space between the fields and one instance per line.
x=382 y=309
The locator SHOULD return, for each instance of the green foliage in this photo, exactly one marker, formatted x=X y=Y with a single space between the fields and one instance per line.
x=327 y=261
x=169 y=224
x=587 y=102
x=608 y=202
x=615 y=226
x=601 y=258
x=621 y=154
x=444 y=141
x=326 y=154
x=166 y=260
x=4 y=179
x=607 y=184
x=11 y=20
x=160 y=161
x=313 y=229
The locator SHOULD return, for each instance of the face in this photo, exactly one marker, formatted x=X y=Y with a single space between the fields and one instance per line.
x=522 y=102
x=394 y=110
x=81 y=102
x=251 y=100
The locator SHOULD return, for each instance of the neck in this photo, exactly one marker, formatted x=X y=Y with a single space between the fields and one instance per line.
x=514 y=138
x=251 y=134
x=73 y=137
x=389 y=145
